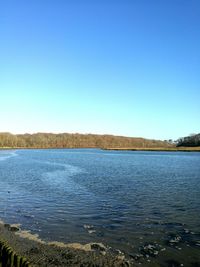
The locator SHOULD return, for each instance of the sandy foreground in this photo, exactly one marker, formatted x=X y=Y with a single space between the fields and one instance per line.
x=40 y=253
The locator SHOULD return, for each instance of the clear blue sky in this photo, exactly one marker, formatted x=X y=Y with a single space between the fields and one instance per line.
x=124 y=67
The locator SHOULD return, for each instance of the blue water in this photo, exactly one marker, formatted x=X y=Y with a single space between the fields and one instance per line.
x=123 y=199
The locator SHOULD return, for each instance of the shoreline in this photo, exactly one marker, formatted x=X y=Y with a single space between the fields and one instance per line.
x=40 y=253
x=159 y=149
x=156 y=149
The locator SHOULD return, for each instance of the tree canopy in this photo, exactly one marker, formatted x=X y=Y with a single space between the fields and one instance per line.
x=66 y=140
x=190 y=141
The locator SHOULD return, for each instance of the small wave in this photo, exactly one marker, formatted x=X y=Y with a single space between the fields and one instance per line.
x=62 y=177
x=6 y=155
x=67 y=169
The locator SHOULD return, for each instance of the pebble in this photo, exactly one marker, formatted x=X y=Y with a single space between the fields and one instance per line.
x=98 y=246
x=14 y=229
x=87 y=226
x=136 y=256
x=91 y=231
x=150 y=250
x=176 y=239
x=11 y=228
x=121 y=257
x=119 y=252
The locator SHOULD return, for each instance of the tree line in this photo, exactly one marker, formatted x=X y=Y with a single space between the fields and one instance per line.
x=189 y=141
x=67 y=140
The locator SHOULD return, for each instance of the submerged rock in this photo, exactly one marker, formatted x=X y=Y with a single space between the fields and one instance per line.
x=186 y=231
x=12 y=228
x=136 y=256
x=98 y=246
x=198 y=243
x=175 y=240
x=91 y=231
x=150 y=250
x=89 y=228
x=121 y=257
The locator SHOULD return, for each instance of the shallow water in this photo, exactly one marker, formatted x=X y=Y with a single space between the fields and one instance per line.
x=127 y=200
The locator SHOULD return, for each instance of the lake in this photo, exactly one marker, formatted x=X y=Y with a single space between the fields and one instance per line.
x=146 y=204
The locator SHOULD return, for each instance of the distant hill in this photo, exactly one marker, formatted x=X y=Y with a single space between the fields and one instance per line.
x=66 y=140
x=191 y=141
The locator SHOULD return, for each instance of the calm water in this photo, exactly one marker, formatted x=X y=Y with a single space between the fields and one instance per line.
x=127 y=200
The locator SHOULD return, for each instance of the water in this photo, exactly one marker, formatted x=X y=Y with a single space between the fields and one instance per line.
x=127 y=200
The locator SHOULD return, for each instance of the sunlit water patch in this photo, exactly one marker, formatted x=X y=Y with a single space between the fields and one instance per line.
x=6 y=154
x=62 y=177
x=146 y=204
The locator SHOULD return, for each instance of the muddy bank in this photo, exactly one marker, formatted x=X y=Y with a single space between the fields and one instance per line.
x=40 y=253
x=157 y=149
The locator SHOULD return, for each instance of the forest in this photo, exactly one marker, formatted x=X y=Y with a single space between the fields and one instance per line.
x=189 y=141
x=68 y=140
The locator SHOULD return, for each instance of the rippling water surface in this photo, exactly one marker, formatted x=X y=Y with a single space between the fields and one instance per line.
x=127 y=200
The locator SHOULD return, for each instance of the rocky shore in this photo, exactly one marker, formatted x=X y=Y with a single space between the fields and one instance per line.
x=40 y=253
